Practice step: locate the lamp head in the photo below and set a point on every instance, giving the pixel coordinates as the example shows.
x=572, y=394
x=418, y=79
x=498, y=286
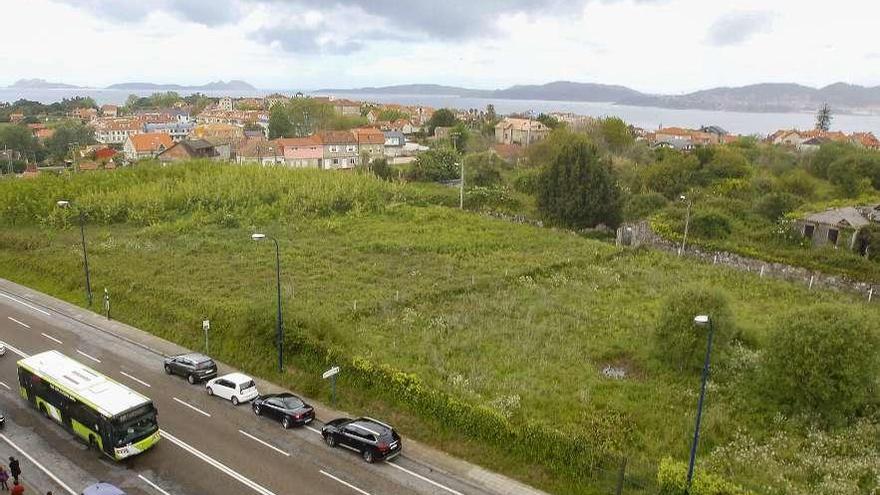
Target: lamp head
x=682, y=198
x=258, y=237
x=702, y=320
x=63, y=203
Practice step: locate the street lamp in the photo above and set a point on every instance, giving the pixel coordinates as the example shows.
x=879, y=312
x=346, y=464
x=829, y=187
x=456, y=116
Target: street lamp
x=687, y=222
x=700, y=321
x=82, y=232
x=461, y=187
x=279, y=323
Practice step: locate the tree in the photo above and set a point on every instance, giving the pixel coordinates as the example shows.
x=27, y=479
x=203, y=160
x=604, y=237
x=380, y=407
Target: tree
x=548, y=120
x=824, y=118
x=58, y=146
x=615, y=133
x=443, y=117
x=822, y=360
x=435, y=165
x=681, y=343
x=577, y=189
x=491, y=116
x=644, y=205
x=868, y=242
x=775, y=205
x=279, y=122
x=483, y=169
x=460, y=136
x=20, y=139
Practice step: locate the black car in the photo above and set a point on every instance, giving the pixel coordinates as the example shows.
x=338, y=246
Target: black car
x=373, y=439
x=194, y=366
x=287, y=408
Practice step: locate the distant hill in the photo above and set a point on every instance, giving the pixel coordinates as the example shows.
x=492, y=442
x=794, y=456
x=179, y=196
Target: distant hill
x=767, y=97
x=776, y=97
x=40, y=84
x=234, y=85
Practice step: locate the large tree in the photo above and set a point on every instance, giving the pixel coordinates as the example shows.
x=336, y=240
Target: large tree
x=67, y=134
x=443, y=117
x=577, y=188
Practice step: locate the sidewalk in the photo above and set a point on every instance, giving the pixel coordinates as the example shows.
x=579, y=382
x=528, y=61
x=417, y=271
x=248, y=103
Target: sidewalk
x=416, y=452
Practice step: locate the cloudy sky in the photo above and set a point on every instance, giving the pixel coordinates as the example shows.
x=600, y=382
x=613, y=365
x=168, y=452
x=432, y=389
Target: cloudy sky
x=668, y=46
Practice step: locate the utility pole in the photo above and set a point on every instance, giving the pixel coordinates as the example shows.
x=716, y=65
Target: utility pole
x=461, y=188
x=687, y=221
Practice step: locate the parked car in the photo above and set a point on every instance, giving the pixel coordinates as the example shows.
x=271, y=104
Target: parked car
x=102, y=489
x=287, y=408
x=236, y=387
x=2, y=349
x=2, y=420
x=193, y=366
x=373, y=439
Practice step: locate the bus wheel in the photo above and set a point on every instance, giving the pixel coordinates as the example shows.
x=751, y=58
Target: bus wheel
x=43, y=410
x=93, y=445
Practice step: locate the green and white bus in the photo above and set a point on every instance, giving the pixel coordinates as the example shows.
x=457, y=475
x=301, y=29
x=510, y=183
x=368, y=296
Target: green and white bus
x=104, y=413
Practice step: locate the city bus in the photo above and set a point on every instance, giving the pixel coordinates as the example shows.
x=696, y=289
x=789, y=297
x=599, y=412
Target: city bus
x=105, y=414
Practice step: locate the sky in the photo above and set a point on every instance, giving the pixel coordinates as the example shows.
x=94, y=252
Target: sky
x=655, y=46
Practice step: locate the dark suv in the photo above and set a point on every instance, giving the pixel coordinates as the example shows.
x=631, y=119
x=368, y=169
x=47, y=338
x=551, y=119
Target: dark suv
x=194, y=366
x=287, y=408
x=373, y=439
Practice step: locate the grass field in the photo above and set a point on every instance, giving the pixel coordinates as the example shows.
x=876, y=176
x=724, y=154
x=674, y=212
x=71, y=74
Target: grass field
x=511, y=318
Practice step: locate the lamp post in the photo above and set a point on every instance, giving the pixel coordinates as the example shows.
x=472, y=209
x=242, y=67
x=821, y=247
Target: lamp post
x=461, y=187
x=687, y=222
x=700, y=321
x=279, y=322
x=82, y=232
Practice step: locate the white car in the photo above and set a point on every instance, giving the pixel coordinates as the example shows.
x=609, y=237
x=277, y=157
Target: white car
x=2, y=348
x=236, y=387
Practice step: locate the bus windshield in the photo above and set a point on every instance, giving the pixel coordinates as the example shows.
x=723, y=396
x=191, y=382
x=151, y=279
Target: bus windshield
x=134, y=425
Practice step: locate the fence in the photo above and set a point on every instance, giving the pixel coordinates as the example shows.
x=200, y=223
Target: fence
x=641, y=234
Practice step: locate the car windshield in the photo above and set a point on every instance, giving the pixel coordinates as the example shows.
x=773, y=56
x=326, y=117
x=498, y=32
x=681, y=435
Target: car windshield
x=292, y=403
x=134, y=425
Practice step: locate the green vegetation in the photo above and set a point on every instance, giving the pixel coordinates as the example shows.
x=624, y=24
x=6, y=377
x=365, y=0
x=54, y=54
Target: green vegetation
x=489, y=339
x=300, y=117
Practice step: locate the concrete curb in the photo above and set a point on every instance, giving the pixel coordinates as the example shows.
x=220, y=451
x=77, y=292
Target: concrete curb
x=425, y=456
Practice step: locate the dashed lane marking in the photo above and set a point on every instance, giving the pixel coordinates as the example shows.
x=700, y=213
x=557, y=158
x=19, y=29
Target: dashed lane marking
x=81, y=353
x=194, y=408
x=276, y=449
x=135, y=379
x=325, y=473
x=19, y=322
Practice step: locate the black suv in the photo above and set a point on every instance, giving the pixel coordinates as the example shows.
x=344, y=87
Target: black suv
x=287, y=408
x=373, y=439
x=194, y=366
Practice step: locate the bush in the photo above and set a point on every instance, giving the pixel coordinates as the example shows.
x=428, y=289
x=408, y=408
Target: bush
x=711, y=225
x=775, y=205
x=435, y=165
x=644, y=205
x=680, y=342
x=491, y=198
x=526, y=181
x=672, y=478
x=821, y=361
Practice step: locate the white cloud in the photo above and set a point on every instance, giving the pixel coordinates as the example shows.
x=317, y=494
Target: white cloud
x=654, y=46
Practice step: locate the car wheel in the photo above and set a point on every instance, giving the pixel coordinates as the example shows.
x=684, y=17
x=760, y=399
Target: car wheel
x=210, y=391
x=234, y=400
x=329, y=440
x=368, y=456
x=285, y=422
x=191, y=379
x=168, y=369
x=257, y=410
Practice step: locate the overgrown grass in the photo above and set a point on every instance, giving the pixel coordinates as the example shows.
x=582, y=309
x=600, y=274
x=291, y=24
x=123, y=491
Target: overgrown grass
x=514, y=322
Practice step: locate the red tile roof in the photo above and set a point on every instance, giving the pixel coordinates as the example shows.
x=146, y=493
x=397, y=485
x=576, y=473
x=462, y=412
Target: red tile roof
x=151, y=141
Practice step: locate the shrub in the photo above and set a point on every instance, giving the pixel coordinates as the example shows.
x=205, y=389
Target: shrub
x=775, y=205
x=644, y=205
x=526, y=181
x=711, y=225
x=821, y=360
x=672, y=478
x=435, y=165
x=680, y=342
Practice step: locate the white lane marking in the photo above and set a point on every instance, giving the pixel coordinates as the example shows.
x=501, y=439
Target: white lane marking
x=217, y=464
x=419, y=476
x=7, y=387
x=158, y=489
x=194, y=408
x=325, y=473
x=25, y=454
x=13, y=349
x=135, y=379
x=81, y=353
x=25, y=304
x=51, y=337
x=313, y=429
x=19, y=322
x=276, y=449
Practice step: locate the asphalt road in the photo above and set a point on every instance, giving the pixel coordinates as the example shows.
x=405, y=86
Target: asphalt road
x=208, y=445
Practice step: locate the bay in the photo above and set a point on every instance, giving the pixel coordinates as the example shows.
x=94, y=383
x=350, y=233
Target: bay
x=649, y=118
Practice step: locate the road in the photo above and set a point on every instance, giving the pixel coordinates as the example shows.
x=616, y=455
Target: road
x=209, y=446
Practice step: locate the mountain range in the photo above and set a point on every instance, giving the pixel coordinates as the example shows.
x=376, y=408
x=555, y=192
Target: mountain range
x=234, y=85
x=767, y=97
